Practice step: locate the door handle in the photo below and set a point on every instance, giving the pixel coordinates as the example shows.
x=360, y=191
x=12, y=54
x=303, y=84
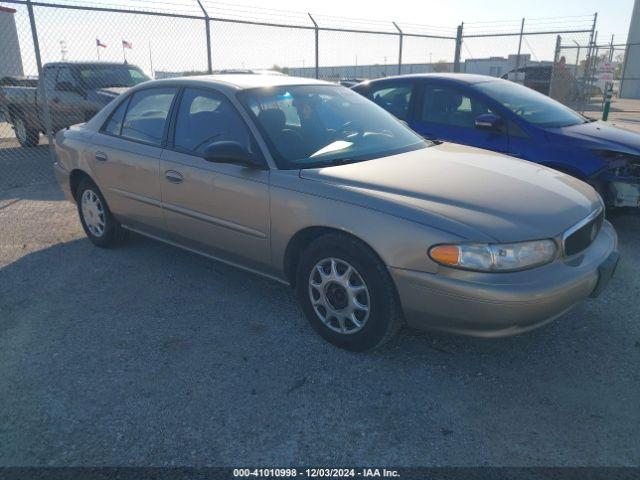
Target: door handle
x=173, y=176
x=101, y=157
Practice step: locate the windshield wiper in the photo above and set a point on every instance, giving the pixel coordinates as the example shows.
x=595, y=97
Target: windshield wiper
x=339, y=161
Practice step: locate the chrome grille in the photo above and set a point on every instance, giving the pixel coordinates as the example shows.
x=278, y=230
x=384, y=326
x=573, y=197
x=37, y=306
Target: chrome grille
x=582, y=234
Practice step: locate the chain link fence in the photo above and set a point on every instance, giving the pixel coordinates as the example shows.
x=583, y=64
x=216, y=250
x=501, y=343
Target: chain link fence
x=63, y=60
x=595, y=70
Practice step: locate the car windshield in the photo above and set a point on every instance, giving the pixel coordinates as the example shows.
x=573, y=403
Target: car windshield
x=102, y=76
x=308, y=126
x=532, y=106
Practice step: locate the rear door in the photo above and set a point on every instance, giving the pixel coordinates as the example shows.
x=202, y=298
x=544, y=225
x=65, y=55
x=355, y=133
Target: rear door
x=446, y=112
x=125, y=156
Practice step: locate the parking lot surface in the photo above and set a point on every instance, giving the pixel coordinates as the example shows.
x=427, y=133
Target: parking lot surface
x=150, y=355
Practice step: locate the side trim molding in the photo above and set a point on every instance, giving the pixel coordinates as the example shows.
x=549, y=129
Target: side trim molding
x=212, y=257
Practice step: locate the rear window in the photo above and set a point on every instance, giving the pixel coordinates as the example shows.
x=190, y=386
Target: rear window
x=143, y=116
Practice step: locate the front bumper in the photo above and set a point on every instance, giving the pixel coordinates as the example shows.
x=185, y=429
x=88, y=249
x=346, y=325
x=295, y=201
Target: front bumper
x=502, y=304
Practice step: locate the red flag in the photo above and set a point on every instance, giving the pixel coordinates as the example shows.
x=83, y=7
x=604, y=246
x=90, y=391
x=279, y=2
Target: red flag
x=100, y=44
x=126, y=44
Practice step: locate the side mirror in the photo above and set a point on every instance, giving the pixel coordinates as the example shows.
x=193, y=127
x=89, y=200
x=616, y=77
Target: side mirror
x=230, y=152
x=488, y=121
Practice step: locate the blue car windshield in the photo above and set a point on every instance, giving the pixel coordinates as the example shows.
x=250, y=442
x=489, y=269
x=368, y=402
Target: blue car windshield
x=531, y=106
x=309, y=126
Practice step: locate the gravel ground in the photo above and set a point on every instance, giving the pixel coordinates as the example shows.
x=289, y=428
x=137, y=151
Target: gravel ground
x=149, y=355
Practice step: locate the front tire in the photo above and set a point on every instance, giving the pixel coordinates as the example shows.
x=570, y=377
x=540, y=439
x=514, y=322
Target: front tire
x=97, y=220
x=27, y=135
x=347, y=293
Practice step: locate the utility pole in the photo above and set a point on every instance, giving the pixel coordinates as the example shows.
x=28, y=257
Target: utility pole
x=153, y=73
x=519, y=47
x=456, y=58
x=63, y=50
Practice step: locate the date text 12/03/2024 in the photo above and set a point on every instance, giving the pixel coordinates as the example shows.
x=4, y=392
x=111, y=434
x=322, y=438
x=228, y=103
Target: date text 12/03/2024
x=316, y=472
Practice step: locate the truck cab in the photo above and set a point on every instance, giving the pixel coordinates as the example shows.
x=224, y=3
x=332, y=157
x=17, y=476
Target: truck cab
x=74, y=92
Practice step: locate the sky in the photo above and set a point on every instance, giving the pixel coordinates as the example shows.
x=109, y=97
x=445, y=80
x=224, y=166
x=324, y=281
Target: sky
x=180, y=45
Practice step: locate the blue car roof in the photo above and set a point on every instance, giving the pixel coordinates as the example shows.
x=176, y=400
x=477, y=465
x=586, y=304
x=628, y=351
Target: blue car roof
x=468, y=78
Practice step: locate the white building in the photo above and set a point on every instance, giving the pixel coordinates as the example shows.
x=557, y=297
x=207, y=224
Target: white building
x=630, y=83
x=10, y=57
x=498, y=66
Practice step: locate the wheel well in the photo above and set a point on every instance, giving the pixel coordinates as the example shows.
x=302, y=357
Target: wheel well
x=75, y=178
x=14, y=112
x=301, y=240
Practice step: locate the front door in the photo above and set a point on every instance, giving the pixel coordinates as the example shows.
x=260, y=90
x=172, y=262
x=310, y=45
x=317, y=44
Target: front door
x=215, y=208
x=448, y=114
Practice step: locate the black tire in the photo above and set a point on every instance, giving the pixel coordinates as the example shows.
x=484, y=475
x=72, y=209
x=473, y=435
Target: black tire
x=384, y=314
x=112, y=232
x=27, y=135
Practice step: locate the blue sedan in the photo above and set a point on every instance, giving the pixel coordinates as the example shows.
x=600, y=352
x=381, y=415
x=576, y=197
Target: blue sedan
x=505, y=117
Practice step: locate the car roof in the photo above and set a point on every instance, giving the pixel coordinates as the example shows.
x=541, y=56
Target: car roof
x=93, y=64
x=454, y=77
x=241, y=81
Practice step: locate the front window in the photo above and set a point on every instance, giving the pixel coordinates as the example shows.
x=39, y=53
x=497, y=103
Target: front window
x=444, y=105
x=308, y=126
x=205, y=117
x=104, y=76
x=532, y=106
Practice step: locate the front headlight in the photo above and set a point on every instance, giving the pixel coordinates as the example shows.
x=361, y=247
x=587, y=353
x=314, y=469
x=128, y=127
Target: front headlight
x=487, y=257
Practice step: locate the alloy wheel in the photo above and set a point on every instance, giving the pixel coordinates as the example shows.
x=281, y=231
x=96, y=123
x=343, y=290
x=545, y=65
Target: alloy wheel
x=93, y=212
x=339, y=296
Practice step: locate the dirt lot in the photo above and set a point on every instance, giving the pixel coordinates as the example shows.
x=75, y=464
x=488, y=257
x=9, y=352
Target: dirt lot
x=149, y=355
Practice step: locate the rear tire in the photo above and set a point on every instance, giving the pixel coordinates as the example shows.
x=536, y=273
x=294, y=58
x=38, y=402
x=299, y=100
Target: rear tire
x=27, y=135
x=347, y=294
x=97, y=220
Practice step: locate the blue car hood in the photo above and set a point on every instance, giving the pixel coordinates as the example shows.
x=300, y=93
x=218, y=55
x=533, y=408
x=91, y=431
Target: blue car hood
x=601, y=135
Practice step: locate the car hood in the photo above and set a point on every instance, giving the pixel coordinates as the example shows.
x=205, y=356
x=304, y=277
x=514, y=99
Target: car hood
x=602, y=135
x=471, y=192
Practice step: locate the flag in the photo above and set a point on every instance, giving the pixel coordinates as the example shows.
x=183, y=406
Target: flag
x=126, y=44
x=100, y=44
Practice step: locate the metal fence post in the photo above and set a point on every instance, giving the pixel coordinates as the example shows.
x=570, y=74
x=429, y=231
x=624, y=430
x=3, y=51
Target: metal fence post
x=456, y=58
x=42, y=92
x=589, y=61
x=317, y=31
x=519, y=46
x=592, y=39
x=556, y=59
x=401, y=36
x=208, y=33
x=611, y=48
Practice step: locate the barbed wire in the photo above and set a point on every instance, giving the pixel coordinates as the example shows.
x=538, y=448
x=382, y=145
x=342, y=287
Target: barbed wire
x=244, y=12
